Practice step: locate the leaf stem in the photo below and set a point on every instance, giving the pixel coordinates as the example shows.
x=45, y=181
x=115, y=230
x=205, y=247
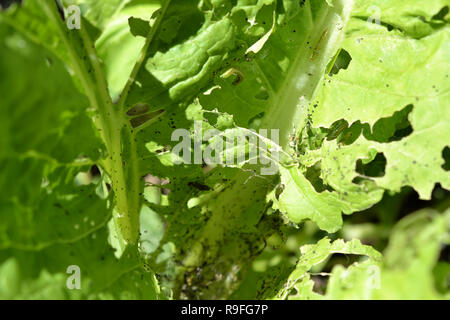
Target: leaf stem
x=151, y=35
x=115, y=130
x=308, y=69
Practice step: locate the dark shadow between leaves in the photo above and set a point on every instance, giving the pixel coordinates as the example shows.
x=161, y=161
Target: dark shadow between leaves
x=375, y=168
x=313, y=175
x=441, y=14
x=341, y=63
x=446, y=157
x=389, y=129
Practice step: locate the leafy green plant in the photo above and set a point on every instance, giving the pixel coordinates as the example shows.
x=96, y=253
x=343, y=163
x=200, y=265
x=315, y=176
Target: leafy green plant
x=356, y=92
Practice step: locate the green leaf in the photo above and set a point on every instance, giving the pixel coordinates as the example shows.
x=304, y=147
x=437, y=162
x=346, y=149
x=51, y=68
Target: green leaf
x=30, y=19
x=413, y=18
x=43, y=23
x=208, y=57
x=356, y=89
x=299, y=284
x=407, y=272
x=384, y=79
x=45, y=274
x=48, y=140
x=299, y=201
x=99, y=13
x=413, y=251
x=181, y=58
x=118, y=48
x=46, y=286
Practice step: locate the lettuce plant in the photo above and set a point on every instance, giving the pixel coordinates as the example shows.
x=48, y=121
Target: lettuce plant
x=350, y=101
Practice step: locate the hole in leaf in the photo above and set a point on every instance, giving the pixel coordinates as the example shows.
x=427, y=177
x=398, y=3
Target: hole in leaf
x=441, y=14
x=392, y=128
x=441, y=271
x=446, y=156
x=256, y=120
x=139, y=121
x=320, y=283
x=374, y=168
x=445, y=254
x=199, y=186
x=439, y=193
x=336, y=129
x=313, y=175
x=359, y=180
x=84, y=178
x=339, y=130
x=138, y=109
x=151, y=180
x=342, y=259
x=388, y=26
x=342, y=62
x=95, y=171
x=349, y=135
